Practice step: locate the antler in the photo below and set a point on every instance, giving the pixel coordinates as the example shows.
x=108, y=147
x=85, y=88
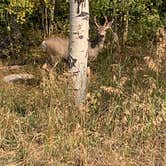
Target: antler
x=106, y=25
x=106, y=21
x=96, y=22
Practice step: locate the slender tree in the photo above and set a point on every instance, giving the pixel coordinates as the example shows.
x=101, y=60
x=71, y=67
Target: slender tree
x=78, y=47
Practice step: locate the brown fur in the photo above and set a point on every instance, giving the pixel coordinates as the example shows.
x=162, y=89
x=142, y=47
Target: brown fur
x=57, y=48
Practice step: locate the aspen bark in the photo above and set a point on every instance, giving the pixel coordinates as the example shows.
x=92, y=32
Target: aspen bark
x=78, y=47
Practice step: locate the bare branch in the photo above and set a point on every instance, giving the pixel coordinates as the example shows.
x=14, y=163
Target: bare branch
x=10, y=67
x=18, y=77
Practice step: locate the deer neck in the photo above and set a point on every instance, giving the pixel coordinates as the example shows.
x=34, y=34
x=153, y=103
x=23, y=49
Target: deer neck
x=95, y=47
x=101, y=42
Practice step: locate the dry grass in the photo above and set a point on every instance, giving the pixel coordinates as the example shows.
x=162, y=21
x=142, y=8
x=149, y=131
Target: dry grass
x=123, y=122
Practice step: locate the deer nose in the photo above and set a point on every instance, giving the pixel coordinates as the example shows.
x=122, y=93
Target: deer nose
x=101, y=36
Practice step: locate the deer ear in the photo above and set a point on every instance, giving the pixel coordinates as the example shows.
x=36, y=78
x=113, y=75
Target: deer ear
x=111, y=22
x=44, y=46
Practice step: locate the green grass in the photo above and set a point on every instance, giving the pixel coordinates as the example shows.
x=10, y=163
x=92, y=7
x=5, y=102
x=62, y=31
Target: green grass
x=123, y=122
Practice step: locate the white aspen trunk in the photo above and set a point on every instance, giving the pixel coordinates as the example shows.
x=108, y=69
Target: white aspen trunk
x=78, y=47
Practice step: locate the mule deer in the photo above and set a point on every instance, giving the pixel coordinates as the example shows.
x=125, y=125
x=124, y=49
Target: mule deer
x=57, y=48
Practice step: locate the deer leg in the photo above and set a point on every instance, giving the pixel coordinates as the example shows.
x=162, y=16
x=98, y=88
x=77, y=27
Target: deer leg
x=48, y=64
x=55, y=64
x=46, y=67
x=88, y=72
x=51, y=71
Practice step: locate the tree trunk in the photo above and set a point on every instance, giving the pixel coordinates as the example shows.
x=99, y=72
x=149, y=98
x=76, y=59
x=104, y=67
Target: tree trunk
x=43, y=20
x=46, y=21
x=78, y=47
x=52, y=11
x=126, y=27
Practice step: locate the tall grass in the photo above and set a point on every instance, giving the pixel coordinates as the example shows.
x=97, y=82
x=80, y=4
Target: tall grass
x=123, y=122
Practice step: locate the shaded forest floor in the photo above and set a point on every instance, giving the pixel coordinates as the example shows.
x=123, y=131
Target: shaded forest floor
x=123, y=123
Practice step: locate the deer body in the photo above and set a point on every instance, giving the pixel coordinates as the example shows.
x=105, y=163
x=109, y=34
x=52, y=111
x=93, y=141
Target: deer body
x=57, y=48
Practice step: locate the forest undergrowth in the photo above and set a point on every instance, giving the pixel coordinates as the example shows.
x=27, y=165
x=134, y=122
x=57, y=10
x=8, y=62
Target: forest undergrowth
x=123, y=122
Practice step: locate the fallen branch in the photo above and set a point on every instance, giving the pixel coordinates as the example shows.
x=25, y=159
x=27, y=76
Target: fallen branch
x=10, y=67
x=18, y=77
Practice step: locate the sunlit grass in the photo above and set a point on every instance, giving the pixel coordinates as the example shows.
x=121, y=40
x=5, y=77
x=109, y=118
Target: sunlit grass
x=123, y=122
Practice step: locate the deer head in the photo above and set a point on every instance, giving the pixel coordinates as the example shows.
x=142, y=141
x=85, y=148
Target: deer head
x=103, y=28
